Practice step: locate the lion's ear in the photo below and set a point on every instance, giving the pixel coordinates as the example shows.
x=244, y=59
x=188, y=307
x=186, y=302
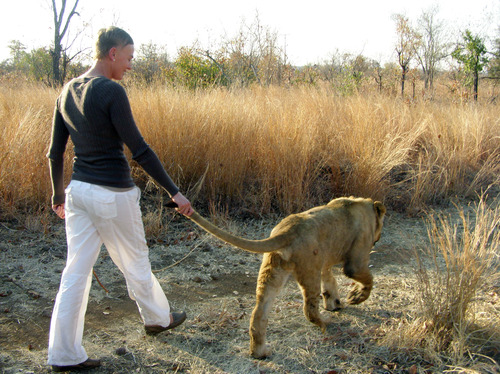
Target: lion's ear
x=379, y=208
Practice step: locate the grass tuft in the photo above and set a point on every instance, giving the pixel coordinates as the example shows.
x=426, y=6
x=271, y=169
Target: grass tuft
x=457, y=280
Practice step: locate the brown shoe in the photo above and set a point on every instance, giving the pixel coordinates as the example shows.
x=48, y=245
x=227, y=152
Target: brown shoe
x=177, y=319
x=85, y=365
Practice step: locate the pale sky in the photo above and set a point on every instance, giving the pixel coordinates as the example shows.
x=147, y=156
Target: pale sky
x=311, y=30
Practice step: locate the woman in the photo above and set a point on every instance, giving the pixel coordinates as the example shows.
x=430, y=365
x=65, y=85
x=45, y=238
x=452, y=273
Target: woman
x=101, y=203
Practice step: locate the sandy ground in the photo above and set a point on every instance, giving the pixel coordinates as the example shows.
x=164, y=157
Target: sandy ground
x=214, y=283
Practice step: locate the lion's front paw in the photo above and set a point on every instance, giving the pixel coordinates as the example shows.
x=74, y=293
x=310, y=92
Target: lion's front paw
x=261, y=351
x=358, y=295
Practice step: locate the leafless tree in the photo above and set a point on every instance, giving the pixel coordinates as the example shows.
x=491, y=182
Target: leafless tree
x=254, y=55
x=433, y=48
x=377, y=72
x=406, y=46
x=494, y=67
x=61, y=25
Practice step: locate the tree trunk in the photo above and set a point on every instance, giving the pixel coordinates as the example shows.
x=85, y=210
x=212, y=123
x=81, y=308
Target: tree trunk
x=476, y=84
x=426, y=77
x=403, y=78
x=56, y=57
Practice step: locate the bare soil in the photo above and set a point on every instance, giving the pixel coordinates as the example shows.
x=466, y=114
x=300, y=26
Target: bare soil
x=214, y=283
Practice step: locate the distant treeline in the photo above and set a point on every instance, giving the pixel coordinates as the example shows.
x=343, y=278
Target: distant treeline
x=255, y=57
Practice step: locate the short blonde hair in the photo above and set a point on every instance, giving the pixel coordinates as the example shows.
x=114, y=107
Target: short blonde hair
x=108, y=38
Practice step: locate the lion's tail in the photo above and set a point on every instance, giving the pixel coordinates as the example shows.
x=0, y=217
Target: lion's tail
x=258, y=246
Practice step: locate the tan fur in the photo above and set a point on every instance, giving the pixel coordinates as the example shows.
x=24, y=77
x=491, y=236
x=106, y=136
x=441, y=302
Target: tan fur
x=307, y=245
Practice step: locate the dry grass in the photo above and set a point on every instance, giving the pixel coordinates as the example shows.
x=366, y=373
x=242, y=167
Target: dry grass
x=288, y=149
x=24, y=134
x=277, y=149
x=458, y=276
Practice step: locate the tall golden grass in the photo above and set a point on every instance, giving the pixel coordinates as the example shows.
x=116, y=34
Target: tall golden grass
x=276, y=149
x=25, y=117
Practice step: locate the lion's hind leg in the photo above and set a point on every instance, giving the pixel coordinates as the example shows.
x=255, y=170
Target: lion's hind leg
x=329, y=290
x=310, y=285
x=269, y=283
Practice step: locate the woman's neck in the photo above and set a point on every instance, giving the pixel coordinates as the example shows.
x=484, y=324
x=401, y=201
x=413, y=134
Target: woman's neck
x=99, y=69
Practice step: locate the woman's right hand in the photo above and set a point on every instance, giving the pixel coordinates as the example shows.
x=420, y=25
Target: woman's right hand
x=183, y=205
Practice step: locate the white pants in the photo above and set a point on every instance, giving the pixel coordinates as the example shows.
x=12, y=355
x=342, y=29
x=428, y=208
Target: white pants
x=96, y=215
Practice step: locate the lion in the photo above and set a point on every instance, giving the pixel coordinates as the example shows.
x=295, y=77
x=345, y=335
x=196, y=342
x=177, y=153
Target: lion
x=307, y=245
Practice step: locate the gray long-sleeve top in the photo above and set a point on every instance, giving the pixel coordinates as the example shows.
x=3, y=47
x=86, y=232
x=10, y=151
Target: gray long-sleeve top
x=96, y=113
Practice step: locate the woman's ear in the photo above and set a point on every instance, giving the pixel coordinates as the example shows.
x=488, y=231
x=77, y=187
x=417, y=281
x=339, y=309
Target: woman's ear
x=112, y=54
